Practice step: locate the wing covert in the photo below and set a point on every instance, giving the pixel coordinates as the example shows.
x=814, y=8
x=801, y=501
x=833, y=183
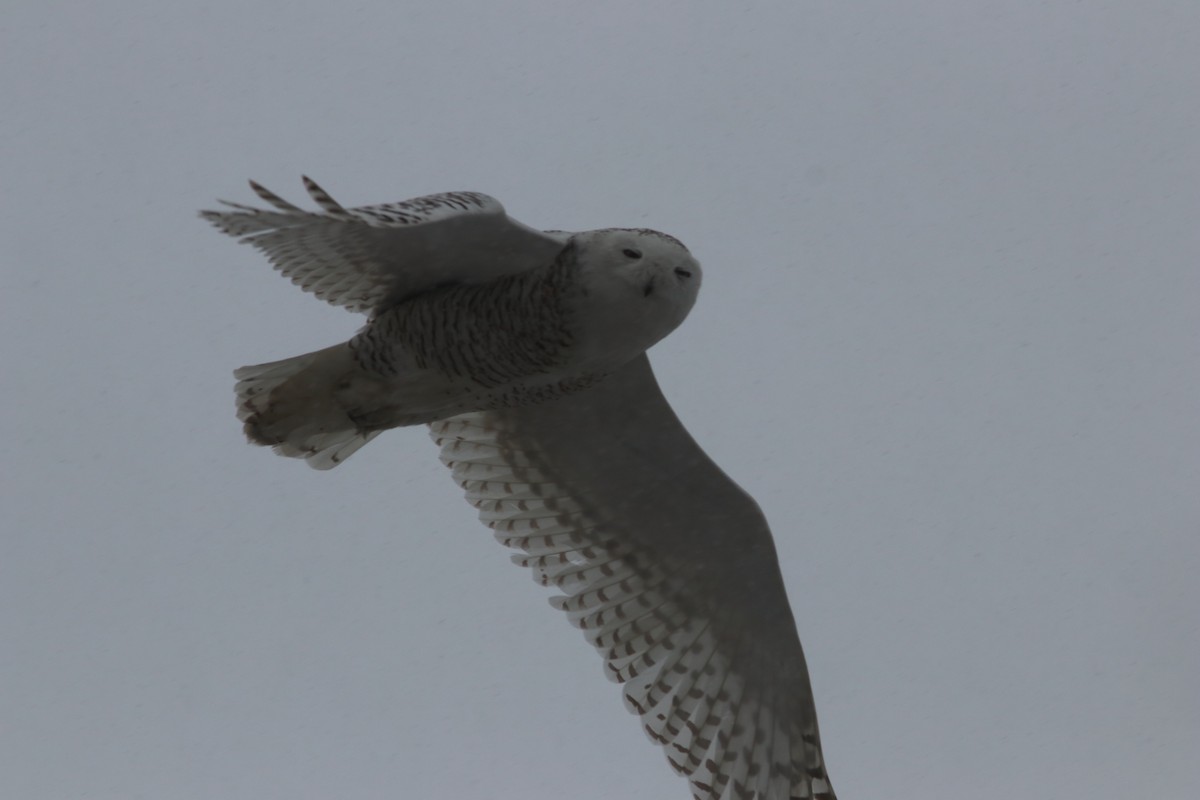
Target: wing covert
x=371, y=257
x=666, y=566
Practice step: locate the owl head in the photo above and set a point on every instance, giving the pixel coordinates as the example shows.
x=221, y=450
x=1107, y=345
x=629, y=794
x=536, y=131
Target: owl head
x=635, y=286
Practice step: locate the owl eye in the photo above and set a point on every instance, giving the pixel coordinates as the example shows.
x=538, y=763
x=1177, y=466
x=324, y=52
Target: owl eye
x=629, y=252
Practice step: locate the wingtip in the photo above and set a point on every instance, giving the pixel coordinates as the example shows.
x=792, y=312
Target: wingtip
x=322, y=198
x=218, y=219
x=257, y=187
x=278, y=202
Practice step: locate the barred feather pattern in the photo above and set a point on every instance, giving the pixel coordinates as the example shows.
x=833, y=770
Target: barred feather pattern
x=705, y=694
x=370, y=257
x=514, y=327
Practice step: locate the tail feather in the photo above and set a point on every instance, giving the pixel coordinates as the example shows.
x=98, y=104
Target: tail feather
x=291, y=406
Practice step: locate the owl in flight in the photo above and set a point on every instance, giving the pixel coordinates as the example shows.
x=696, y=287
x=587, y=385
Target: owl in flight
x=524, y=352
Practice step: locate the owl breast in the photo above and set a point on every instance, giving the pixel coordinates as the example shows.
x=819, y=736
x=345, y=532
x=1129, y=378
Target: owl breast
x=502, y=342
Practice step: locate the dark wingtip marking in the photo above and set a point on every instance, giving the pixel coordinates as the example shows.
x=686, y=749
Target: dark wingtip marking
x=322, y=197
x=267, y=195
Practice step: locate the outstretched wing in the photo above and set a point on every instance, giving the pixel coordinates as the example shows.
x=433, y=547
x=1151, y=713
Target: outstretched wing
x=667, y=567
x=369, y=258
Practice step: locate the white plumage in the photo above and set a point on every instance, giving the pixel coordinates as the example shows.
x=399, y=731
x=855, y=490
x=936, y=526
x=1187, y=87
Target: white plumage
x=525, y=353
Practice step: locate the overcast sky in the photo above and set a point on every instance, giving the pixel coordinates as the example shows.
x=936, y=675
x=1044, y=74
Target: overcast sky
x=948, y=338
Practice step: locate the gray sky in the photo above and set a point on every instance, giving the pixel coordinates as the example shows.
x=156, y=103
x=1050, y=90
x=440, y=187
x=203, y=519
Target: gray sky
x=948, y=338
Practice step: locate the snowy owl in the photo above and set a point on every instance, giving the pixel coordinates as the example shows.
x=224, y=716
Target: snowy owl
x=524, y=352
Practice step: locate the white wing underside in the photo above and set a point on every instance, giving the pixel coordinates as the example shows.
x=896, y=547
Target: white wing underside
x=667, y=567
x=371, y=257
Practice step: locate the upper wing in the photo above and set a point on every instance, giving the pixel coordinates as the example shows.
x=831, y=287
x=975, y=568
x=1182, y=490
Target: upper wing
x=371, y=257
x=667, y=567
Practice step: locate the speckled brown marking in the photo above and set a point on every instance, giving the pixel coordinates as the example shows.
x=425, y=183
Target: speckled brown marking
x=420, y=209
x=489, y=334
